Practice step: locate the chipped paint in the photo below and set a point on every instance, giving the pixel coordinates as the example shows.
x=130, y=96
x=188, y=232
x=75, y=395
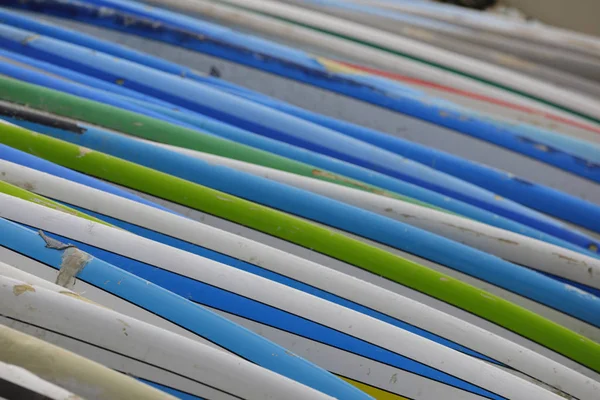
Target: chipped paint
x=513, y=61
x=20, y=289
x=346, y=181
x=570, y=260
x=73, y=261
x=83, y=151
x=29, y=39
x=53, y=243
x=481, y=234
x=579, y=292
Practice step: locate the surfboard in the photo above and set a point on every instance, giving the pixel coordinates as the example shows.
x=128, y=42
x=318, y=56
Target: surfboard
x=519, y=109
x=141, y=350
x=248, y=115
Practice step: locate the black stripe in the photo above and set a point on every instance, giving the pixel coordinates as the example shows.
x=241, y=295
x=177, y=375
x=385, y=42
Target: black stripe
x=12, y=391
x=31, y=115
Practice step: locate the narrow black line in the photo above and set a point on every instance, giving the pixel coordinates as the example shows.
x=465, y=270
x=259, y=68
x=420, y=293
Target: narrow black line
x=33, y=115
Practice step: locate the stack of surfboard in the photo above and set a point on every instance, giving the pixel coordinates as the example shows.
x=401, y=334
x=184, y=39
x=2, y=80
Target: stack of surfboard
x=296, y=199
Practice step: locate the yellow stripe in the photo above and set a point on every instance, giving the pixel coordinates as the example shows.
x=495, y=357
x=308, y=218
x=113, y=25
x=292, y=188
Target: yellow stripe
x=373, y=391
x=336, y=67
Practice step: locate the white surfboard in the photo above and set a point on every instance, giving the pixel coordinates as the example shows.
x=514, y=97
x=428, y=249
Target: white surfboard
x=358, y=291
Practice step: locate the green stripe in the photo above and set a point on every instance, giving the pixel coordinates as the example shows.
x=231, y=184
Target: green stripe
x=138, y=125
x=20, y=193
x=311, y=236
x=415, y=58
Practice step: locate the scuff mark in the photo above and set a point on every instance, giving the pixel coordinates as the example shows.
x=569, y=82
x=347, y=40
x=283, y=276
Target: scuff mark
x=30, y=187
x=340, y=179
x=570, y=260
x=408, y=216
x=394, y=378
x=29, y=39
x=73, y=261
x=83, y=151
x=20, y=289
x=481, y=234
x=81, y=298
x=289, y=353
x=580, y=292
x=487, y=296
